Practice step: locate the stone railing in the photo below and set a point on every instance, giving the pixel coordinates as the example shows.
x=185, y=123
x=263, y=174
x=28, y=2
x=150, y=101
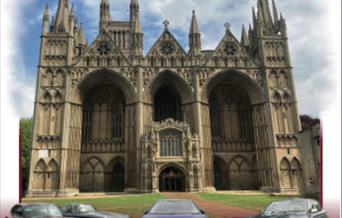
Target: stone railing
x=103, y=146
x=231, y=146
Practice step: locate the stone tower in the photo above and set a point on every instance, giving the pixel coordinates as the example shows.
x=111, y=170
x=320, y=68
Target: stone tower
x=109, y=118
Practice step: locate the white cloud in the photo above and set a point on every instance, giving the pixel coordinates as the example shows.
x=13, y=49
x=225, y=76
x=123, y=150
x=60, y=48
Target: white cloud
x=309, y=35
x=17, y=83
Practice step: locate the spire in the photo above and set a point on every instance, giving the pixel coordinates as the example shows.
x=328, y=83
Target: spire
x=194, y=36
x=265, y=12
x=194, y=26
x=134, y=16
x=254, y=17
x=137, y=25
x=62, y=17
x=52, y=23
x=275, y=12
x=45, y=28
x=81, y=38
x=244, y=38
x=104, y=13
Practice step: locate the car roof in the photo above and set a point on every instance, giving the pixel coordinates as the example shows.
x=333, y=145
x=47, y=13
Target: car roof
x=175, y=200
x=35, y=204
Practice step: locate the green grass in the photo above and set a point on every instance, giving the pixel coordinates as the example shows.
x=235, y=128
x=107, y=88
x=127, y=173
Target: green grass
x=133, y=205
x=244, y=201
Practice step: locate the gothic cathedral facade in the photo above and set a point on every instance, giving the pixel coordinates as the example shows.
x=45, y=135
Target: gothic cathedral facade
x=109, y=118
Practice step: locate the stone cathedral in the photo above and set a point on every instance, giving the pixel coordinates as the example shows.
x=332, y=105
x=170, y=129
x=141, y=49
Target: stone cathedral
x=110, y=118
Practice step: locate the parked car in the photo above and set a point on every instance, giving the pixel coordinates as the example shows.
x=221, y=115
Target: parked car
x=174, y=208
x=292, y=208
x=35, y=210
x=87, y=211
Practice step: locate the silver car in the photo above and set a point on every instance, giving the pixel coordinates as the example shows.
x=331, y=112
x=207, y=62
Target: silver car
x=87, y=211
x=174, y=208
x=293, y=208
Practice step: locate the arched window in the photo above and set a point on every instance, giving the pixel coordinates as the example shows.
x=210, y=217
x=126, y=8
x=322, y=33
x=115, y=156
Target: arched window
x=230, y=114
x=215, y=118
x=117, y=116
x=170, y=143
x=167, y=104
x=87, y=120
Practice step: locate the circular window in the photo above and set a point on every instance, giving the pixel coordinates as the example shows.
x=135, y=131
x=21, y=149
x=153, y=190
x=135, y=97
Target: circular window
x=229, y=49
x=167, y=48
x=103, y=49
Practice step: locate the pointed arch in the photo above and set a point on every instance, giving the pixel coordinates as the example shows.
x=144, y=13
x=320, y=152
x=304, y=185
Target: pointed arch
x=296, y=174
x=52, y=175
x=59, y=79
x=171, y=79
x=106, y=76
x=286, y=97
x=52, y=166
x=221, y=180
x=282, y=80
x=285, y=173
x=253, y=89
x=48, y=77
x=40, y=166
x=47, y=98
x=58, y=97
x=240, y=173
x=92, y=175
x=276, y=97
x=39, y=175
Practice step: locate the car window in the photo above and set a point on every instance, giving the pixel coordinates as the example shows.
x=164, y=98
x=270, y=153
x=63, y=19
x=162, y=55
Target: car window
x=84, y=208
x=41, y=211
x=174, y=207
x=67, y=209
x=286, y=206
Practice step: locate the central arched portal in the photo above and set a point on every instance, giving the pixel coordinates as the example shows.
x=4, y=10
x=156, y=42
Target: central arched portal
x=171, y=179
x=167, y=104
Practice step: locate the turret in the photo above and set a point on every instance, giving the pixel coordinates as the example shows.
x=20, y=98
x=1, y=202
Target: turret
x=136, y=30
x=45, y=28
x=105, y=16
x=194, y=36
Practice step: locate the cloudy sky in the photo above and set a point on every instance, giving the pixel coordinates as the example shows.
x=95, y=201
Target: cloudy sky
x=312, y=28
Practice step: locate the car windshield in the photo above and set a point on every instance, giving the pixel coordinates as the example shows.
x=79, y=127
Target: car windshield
x=40, y=211
x=174, y=207
x=286, y=206
x=84, y=208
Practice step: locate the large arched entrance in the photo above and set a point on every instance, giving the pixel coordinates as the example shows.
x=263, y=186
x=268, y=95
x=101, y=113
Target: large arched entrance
x=106, y=98
x=171, y=179
x=231, y=97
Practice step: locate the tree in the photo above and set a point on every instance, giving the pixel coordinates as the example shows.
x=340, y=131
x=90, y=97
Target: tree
x=26, y=128
x=308, y=121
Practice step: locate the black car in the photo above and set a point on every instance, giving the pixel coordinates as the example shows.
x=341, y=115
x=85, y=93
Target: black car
x=35, y=210
x=174, y=208
x=87, y=211
x=293, y=208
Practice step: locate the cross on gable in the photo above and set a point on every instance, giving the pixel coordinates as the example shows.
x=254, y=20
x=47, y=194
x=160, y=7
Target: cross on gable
x=166, y=23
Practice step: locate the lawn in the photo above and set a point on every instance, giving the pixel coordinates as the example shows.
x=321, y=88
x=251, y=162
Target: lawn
x=133, y=205
x=244, y=201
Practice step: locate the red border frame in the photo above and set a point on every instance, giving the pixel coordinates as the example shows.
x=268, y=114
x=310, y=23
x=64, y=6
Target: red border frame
x=20, y=167
x=321, y=165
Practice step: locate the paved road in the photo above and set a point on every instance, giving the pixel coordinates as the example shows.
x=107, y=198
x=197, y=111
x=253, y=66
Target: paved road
x=214, y=209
